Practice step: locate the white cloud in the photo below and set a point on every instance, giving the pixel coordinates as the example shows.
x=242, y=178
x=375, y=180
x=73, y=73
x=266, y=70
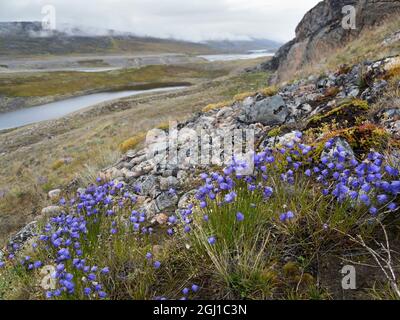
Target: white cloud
x=184, y=19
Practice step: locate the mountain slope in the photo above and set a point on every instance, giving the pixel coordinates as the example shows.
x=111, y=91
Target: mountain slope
x=243, y=46
x=28, y=38
x=320, y=33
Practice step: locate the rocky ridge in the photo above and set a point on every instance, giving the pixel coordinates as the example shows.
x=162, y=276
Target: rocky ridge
x=321, y=31
x=162, y=189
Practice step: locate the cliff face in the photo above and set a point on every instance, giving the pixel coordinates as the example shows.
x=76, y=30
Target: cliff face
x=321, y=31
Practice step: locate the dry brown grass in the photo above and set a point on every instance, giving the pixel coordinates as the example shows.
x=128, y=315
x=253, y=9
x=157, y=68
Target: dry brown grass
x=132, y=142
x=217, y=106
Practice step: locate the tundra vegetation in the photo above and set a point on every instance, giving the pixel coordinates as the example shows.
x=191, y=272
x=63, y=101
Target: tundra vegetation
x=324, y=193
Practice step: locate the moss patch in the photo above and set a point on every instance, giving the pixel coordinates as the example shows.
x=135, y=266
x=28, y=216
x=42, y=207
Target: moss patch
x=347, y=114
x=361, y=138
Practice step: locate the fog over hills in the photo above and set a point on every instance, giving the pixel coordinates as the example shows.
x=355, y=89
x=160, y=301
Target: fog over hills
x=29, y=38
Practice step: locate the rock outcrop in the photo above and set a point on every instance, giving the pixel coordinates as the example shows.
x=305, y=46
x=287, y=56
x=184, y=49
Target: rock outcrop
x=321, y=31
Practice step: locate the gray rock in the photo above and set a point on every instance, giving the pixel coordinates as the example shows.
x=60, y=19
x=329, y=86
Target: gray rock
x=354, y=92
x=391, y=113
x=269, y=111
x=143, y=168
x=18, y=240
x=166, y=200
x=395, y=37
x=375, y=91
x=168, y=183
x=186, y=199
x=182, y=177
x=51, y=211
x=283, y=140
x=224, y=112
x=339, y=143
x=150, y=209
x=148, y=185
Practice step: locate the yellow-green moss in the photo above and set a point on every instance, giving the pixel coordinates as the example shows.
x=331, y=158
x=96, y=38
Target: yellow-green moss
x=361, y=138
x=291, y=270
x=274, y=132
x=345, y=114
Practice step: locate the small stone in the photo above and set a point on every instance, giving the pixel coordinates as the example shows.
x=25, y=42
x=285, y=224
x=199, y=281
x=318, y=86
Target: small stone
x=161, y=218
x=54, y=194
x=51, y=211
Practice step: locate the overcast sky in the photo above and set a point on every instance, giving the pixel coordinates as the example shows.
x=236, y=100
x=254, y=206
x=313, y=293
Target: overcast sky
x=184, y=19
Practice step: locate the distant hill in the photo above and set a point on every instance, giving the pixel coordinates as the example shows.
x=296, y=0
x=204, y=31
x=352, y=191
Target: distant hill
x=244, y=46
x=28, y=38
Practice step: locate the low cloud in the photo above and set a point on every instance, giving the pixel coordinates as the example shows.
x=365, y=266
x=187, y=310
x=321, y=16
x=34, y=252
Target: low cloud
x=194, y=20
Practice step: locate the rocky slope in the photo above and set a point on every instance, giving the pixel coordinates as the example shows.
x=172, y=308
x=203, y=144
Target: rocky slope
x=307, y=104
x=320, y=32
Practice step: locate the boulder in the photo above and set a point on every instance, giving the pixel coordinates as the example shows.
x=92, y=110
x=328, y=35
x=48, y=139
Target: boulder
x=269, y=111
x=321, y=31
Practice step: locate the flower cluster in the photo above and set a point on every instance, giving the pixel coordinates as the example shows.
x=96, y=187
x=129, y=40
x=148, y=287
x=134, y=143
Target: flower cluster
x=370, y=183
x=70, y=238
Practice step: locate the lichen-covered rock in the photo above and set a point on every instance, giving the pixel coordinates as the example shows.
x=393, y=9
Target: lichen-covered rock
x=166, y=200
x=147, y=185
x=346, y=114
x=19, y=239
x=168, y=183
x=186, y=199
x=283, y=140
x=340, y=145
